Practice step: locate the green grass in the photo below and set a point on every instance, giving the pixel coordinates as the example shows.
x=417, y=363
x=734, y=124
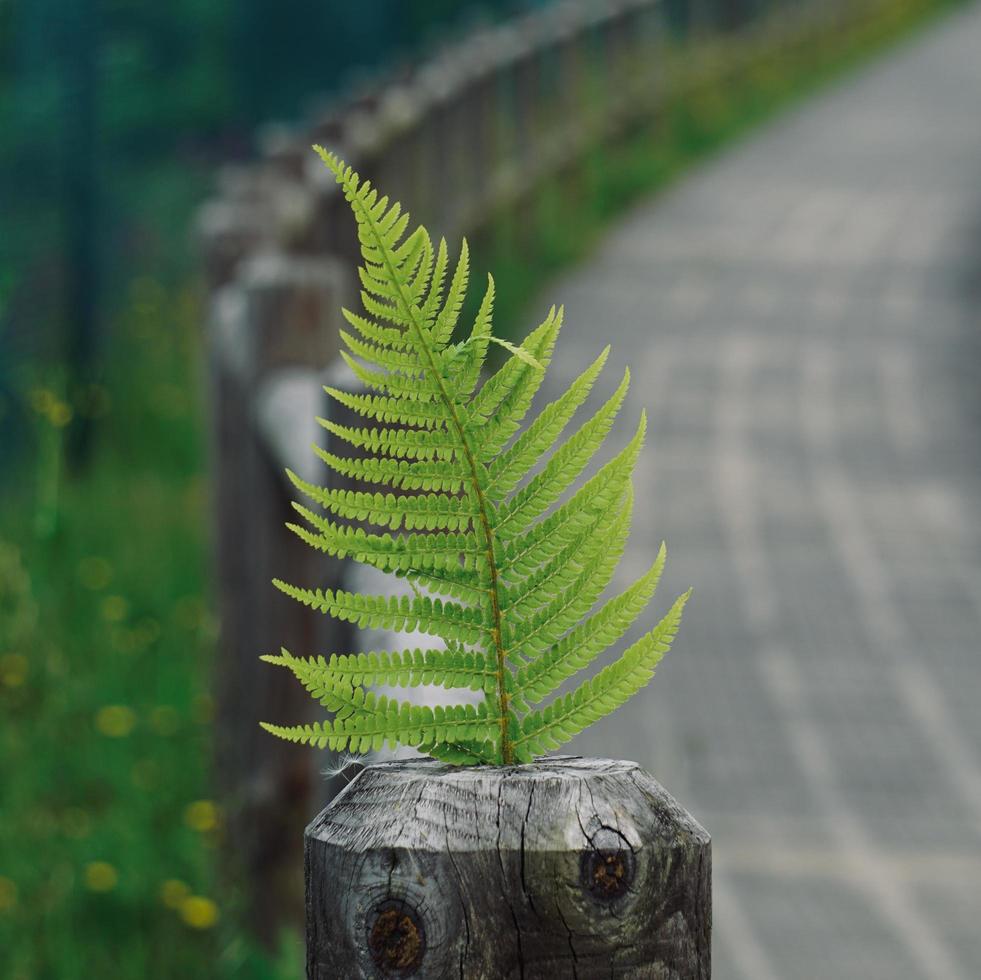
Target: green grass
x=107, y=835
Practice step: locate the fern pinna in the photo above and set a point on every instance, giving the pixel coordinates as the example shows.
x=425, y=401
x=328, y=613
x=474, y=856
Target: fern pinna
x=504, y=577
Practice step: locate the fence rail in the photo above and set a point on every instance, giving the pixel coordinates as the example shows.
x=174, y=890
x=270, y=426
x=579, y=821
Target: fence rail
x=459, y=139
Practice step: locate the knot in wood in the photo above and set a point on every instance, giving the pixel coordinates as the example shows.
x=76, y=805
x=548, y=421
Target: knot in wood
x=608, y=866
x=396, y=938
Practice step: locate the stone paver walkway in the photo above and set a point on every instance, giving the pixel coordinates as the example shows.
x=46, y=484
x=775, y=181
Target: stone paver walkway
x=802, y=318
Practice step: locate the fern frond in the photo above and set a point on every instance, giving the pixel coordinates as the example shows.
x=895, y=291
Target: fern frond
x=506, y=396
x=529, y=637
x=451, y=620
x=395, y=443
x=542, y=541
x=390, y=383
x=383, y=720
x=578, y=648
x=456, y=582
x=449, y=314
x=544, y=731
x=426, y=415
x=398, y=473
x=437, y=277
x=432, y=511
x=384, y=310
x=402, y=552
x=564, y=466
x=550, y=578
x=461, y=753
x=375, y=332
x=454, y=667
x=463, y=504
x=393, y=360
x=463, y=379
x=509, y=468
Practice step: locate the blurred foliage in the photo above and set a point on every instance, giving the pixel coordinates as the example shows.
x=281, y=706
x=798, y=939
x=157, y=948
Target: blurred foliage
x=107, y=832
x=102, y=101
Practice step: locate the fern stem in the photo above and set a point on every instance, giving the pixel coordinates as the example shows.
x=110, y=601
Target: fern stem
x=503, y=698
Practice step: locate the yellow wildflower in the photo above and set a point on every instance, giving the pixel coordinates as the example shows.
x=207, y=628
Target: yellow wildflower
x=8, y=895
x=115, y=720
x=199, y=912
x=13, y=669
x=60, y=414
x=114, y=608
x=100, y=876
x=202, y=816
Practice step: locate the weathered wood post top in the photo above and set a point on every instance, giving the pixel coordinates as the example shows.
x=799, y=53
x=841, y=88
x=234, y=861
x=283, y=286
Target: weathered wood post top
x=567, y=867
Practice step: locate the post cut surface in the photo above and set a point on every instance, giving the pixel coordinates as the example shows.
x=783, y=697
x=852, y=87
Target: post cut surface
x=567, y=867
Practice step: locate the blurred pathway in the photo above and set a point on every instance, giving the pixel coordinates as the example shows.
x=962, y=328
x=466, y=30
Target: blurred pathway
x=802, y=319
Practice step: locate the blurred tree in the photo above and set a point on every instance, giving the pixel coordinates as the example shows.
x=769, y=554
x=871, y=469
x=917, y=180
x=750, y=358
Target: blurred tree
x=99, y=98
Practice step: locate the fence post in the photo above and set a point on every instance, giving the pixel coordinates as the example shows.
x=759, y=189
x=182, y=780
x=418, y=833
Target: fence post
x=401, y=169
x=279, y=316
x=566, y=867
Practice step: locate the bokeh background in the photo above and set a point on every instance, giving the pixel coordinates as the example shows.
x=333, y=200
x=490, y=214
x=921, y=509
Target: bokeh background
x=770, y=208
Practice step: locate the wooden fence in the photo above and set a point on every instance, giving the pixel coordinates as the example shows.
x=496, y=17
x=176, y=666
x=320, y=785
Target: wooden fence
x=459, y=139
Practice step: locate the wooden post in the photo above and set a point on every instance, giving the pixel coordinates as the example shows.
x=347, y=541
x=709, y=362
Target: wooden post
x=281, y=315
x=440, y=83
x=478, y=120
x=568, y=867
x=401, y=167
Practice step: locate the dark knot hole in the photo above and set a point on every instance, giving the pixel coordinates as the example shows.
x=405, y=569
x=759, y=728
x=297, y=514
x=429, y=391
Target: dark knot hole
x=608, y=866
x=396, y=938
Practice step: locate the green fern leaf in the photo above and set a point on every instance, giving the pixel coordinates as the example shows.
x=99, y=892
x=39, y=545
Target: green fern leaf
x=469, y=510
x=518, y=352
x=426, y=415
x=454, y=667
x=529, y=550
x=508, y=468
x=449, y=314
x=564, y=466
x=425, y=475
x=510, y=391
x=579, y=647
x=546, y=730
x=574, y=560
x=433, y=511
x=525, y=638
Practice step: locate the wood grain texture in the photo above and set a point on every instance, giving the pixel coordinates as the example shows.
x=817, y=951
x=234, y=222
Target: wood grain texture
x=568, y=867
